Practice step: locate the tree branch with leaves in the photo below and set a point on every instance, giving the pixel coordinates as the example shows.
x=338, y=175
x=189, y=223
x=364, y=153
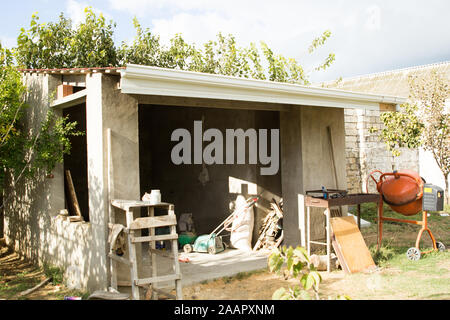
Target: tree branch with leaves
x=423, y=122
x=23, y=154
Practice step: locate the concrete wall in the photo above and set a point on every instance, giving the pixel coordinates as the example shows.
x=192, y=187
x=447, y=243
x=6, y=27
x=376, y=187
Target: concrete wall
x=292, y=175
x=306, y=165
x=317, y=157
x=31, y=223
x=120, y=115
x=32, y=205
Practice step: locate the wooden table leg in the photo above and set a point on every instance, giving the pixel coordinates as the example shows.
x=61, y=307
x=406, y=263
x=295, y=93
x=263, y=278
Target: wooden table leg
x=380, y=222
x=308, y=229
x=358, y=210
x=133, y=259
x=328, y=240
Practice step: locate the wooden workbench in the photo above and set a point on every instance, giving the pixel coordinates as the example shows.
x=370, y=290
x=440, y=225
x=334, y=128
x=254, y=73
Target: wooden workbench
x=348, y=200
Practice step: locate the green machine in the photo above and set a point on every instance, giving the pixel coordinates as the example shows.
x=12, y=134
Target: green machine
x=210, y=243
x=185, y=238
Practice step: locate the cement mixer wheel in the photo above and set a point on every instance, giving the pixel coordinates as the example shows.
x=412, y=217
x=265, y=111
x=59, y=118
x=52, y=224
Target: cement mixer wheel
x=413, y=254
x=440, y=246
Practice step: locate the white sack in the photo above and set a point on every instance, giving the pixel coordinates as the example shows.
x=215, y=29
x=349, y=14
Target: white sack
x=242, y=226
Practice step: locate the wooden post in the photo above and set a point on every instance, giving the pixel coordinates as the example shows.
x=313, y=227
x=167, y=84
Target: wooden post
x=173, y=230
x=112, y=218
x=152, y=255
x=133, y=259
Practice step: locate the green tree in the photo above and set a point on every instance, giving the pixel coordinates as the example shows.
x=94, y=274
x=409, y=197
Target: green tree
x=59, y=45
x=45, y=45
x=425, y=121
x=24, y=154
x=219, y=56
x=90, y=44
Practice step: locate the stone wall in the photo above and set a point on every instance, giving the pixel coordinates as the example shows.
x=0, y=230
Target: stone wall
x=365, y=151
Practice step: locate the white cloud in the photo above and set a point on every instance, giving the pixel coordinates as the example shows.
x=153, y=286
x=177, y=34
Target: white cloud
x=75, y=10
x=368, y=35
x=141, y=8
x=8, y=42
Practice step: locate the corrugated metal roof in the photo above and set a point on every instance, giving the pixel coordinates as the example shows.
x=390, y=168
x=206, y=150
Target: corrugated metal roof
x=393, y=82
x=74, y=70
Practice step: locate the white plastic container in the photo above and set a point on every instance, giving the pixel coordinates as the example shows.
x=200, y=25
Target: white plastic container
x=155, y=197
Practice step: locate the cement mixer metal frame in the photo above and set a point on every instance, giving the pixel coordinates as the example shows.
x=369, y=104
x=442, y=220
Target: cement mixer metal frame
x=411, y=253
x=423, y=223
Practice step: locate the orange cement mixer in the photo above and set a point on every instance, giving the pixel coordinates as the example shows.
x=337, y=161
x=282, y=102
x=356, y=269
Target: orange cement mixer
x=403, y=191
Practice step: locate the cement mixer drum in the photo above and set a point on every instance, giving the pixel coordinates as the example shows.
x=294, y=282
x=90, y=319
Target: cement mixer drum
x=402, y=191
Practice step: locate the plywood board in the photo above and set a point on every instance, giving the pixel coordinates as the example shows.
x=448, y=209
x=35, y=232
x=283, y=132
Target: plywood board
x=349, y=245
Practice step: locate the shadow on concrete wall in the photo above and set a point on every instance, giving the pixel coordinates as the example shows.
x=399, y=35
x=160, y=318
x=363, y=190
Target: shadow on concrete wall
x=32, y=225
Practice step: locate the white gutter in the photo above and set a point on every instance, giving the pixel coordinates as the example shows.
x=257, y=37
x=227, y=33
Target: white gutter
x=146, y=80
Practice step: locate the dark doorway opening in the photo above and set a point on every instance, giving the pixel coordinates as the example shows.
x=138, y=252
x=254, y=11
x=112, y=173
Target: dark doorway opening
x=76, y=162
x=182, y=185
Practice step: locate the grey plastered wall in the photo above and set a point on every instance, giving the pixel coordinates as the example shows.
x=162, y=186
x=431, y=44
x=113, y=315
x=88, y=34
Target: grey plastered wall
x=31, y=223
x=317, y=157
x=291, y=173
x=306, y=165
x=120, y=115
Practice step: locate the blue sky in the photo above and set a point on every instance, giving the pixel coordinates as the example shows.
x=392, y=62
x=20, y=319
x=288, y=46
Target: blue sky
x=368, y=36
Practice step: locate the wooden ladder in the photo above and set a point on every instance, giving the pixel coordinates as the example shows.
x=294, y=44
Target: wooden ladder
x=133, y=228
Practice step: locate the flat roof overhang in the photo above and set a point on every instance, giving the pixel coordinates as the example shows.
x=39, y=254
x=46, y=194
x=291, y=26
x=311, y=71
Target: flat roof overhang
x=154, y=81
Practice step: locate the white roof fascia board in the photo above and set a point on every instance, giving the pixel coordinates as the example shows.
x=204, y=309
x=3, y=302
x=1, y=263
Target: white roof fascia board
x=145, y=80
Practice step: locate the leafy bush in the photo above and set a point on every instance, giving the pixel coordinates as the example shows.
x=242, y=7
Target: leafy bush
x=297, y=265
x=56, y=274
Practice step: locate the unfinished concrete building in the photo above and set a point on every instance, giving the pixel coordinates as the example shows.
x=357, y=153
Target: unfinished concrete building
x=141, y=106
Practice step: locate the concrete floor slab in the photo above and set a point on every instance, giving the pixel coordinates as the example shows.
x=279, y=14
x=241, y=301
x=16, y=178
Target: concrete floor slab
x=204, y=266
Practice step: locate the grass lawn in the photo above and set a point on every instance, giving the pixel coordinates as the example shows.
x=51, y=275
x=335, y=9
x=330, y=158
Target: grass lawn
x=396, y=278
x=398, y=234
